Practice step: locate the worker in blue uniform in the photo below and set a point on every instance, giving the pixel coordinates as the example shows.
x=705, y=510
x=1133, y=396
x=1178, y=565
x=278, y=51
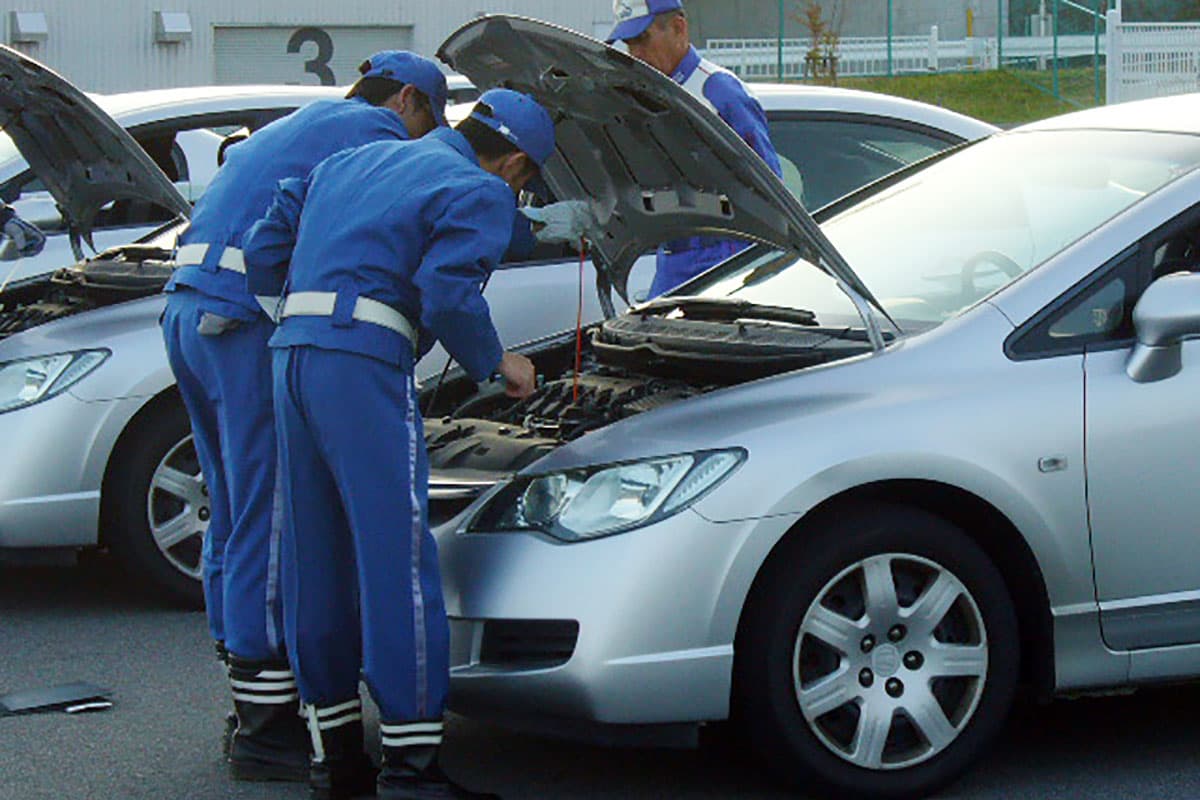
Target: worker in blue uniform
x=28, y=240
x=656, y=31
x=385, y=249
x=216, y=333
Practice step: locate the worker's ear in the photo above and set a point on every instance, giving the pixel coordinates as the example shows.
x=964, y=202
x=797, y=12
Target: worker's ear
x=402, y=101
x=679, y=27
x=516, y=169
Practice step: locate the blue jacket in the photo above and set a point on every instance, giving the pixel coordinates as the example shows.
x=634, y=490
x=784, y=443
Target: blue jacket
x=416, y=225
x=724, y=93
x=241, y=192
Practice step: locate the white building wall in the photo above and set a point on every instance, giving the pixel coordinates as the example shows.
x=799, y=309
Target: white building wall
x=108, y=45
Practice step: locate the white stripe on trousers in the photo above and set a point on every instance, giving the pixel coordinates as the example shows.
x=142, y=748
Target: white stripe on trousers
x=418, y=596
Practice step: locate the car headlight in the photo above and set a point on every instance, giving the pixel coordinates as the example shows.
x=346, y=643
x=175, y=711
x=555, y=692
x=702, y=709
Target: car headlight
x=31, y=380
x=575, y=505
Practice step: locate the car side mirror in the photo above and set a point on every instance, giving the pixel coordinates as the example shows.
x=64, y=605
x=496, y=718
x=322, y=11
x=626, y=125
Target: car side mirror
x=1167, y=314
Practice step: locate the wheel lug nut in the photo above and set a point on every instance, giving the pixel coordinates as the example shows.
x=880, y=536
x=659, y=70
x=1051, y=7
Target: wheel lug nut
x=894, y=687
x=914, y=660
x=866, y=678
x=897, y=633
x=203, y=514
x=868, y=644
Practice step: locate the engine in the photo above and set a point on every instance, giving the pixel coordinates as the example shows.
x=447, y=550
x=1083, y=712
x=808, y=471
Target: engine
x=124, y=273
x=492, y=433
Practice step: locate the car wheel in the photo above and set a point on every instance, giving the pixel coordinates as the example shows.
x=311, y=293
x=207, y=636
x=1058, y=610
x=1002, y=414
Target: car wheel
x=878, y=656
x=158, y=507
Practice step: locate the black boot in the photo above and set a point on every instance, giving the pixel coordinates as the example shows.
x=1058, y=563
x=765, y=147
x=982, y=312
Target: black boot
x=410, y=768
x=270, y=742
x=230, y=717
x=340, y=768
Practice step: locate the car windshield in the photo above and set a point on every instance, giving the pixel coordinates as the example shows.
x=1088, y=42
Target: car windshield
x=948, y=236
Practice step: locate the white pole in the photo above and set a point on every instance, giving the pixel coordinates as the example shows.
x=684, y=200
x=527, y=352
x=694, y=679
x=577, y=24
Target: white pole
x=1113, y=58
x=933, y=49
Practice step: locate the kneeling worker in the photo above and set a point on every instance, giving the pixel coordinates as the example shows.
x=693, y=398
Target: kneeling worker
x=386, y=248
x=216, y=333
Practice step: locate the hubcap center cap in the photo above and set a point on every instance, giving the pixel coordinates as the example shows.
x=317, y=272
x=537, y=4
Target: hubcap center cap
x=885, y=660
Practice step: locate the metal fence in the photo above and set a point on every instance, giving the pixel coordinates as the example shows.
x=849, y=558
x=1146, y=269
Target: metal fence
x=758, y=59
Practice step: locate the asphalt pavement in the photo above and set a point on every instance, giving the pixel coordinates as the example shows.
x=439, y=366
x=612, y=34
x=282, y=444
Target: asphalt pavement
x=160, y=740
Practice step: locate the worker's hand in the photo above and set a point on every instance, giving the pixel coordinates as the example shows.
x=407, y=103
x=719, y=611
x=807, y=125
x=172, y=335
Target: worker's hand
x=28, y=240
x=567, y=221
x=519, y=375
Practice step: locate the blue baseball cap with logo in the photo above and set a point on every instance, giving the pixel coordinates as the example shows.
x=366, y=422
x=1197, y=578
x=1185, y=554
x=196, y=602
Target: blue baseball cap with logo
x=635, y=16
x=520, y=119
x=405, y=67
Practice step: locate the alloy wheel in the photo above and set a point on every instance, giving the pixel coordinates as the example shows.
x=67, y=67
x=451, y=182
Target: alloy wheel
x=890, y=661
x=178, y=508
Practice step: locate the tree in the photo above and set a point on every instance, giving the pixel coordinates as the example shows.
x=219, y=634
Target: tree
x=824, y=33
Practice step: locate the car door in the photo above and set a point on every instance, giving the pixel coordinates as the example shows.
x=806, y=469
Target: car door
x=1143, y=468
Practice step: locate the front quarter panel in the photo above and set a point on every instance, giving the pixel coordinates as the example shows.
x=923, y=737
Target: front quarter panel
x=945, y=407
x=138, y=364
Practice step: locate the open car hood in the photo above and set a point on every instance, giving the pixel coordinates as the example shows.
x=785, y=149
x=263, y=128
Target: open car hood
x=655, y=163
x=84, y=158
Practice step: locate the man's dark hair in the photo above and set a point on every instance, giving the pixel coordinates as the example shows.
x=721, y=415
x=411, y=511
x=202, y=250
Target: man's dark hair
x=377, y=90
x=485, y=141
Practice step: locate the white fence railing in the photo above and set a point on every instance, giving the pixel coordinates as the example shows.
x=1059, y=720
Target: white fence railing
x=758, y=59
x=1151, y=59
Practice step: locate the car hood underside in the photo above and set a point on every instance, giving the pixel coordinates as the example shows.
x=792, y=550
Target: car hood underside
x=654, y=162
x=84, y=158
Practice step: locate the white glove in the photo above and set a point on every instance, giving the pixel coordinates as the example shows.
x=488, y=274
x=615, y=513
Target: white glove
x=567, y=221
x=28, y=240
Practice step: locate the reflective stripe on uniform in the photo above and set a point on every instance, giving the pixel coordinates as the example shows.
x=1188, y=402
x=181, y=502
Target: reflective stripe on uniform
x=413, y=734
x=321, y=304
x=194, y=255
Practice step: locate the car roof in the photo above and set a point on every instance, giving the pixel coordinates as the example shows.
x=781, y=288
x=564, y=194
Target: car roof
x=1175, y=114
x=133, y=108
x=130, y=108
x=800, y=97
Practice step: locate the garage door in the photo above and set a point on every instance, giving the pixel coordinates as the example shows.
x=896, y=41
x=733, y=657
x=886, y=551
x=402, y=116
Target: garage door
x=326, y=55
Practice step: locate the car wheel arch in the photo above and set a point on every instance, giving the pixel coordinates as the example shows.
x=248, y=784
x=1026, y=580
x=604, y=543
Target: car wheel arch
x=151, y=408
x=986, y=525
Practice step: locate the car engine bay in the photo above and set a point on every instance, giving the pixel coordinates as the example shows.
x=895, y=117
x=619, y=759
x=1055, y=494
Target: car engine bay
x=629, y=365
x=114, y=276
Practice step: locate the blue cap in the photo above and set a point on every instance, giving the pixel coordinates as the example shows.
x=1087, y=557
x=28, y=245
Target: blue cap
x=634, y=16
x=405, y=67
x=521, y=120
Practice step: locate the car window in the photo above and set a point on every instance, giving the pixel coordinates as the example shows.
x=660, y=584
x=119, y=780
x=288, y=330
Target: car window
x=825, y=156
x=1099, y=311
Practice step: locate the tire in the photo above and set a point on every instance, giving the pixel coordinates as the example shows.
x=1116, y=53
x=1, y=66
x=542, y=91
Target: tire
x=156, y=507
x=810, y=687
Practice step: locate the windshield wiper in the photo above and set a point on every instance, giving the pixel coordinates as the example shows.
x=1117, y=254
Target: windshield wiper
x=729, y=309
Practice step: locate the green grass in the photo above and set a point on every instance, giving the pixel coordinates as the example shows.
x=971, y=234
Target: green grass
x=1002, y=97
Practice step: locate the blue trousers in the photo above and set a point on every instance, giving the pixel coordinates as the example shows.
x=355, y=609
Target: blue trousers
x=225, y=381
x=362, y=584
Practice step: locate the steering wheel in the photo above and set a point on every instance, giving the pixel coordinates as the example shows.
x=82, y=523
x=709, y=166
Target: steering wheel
x=992, y=258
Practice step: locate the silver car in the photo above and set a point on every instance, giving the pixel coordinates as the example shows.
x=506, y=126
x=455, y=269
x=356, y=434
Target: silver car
x=852, y=487
x=98, y=447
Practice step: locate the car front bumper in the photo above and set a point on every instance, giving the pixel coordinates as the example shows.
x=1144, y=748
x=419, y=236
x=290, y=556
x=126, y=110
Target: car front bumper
x=633, y=629
x=49, y=477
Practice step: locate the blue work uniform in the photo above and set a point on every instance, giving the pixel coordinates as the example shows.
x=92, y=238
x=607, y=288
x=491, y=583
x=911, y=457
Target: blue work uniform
x=216, y=335
x=724, y=93
x=414, y=229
